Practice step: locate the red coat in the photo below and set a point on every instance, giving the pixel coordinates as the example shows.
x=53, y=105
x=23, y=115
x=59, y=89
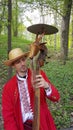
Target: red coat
x=11, y=109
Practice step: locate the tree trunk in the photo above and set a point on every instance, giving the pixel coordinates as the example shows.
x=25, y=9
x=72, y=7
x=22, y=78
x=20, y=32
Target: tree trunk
x=55, y=36
x=65, y=29
x=72, y=30
x=9, y=33
x=16, y=20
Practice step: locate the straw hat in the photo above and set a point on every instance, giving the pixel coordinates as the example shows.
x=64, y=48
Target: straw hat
x=14, y=55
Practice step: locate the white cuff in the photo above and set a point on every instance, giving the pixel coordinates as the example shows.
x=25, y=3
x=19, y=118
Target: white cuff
x=48, y=91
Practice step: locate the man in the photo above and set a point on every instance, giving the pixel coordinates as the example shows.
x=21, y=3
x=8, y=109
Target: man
x=18, y=95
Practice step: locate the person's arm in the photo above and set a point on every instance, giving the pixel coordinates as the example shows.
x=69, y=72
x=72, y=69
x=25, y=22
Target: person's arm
x=53, y=94
x=8, y=110
x=51, y=91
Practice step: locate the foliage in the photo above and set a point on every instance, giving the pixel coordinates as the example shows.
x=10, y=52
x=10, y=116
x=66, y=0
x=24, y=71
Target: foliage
x=47, y=4
x=60, y=75
x=16, y=42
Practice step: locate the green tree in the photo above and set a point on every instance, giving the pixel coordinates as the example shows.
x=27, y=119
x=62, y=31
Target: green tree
x=9, y=32
x=15, y=18
x=65, y=28
x=3, y=15
x=72, y=28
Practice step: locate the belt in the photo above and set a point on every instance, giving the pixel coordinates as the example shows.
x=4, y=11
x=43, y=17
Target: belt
x=28, y=125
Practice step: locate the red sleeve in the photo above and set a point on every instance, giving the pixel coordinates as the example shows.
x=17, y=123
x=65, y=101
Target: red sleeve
x=54, y=96
x=8, y=110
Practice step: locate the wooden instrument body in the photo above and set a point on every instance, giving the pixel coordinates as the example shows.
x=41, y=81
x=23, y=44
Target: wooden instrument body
x=38, y=52
x=40, y=30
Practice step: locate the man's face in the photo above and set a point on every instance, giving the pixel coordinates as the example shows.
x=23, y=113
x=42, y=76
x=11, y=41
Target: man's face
x=20, y=66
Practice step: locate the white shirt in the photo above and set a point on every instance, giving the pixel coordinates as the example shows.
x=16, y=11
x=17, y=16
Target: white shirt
x=29, y=115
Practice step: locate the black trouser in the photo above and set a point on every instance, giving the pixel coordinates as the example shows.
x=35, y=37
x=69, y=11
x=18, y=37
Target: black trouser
x=28, y=125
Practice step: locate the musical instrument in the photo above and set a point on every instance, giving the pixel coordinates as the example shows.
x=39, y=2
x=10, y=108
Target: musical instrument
x=38, y=53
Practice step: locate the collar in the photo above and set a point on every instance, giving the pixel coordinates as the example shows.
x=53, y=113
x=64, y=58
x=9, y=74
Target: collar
x=22, y=78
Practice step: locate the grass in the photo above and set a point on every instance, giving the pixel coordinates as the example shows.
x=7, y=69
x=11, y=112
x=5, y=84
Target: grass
x=60, y=75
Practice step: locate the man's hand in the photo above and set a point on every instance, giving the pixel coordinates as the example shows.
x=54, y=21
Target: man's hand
x=40, y=82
